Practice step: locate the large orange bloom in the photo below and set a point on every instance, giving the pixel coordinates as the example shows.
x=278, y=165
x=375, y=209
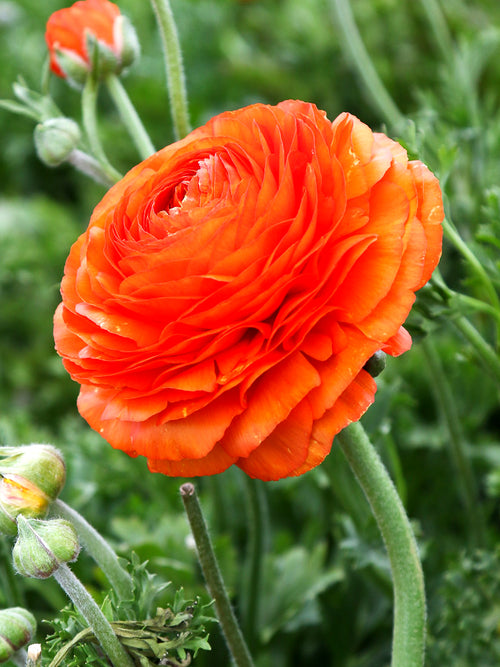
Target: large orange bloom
x=229, y=289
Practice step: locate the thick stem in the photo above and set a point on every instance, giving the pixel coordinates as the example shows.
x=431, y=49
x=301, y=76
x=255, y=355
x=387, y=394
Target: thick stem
x=215, y=584
x=89, y=116
x=174, y=67
x=130, y=117
x=457, y=447
x=409, y=594
x=356, y=51
x=87, y=606
x=98, y=548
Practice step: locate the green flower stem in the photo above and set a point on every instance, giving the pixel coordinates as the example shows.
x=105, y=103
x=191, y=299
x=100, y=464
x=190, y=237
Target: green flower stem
x=215, y=584
x=257, y=535
x=409, y=594
x=90, y=167
x=98, y=548
x=130, y=117
x=439, y=28
x=87, y=606
x=487, y=355
x=89, y=116
x=454, y=237
x=474, y=304
x=174, y=67
x=457, y=447
x=356, y=51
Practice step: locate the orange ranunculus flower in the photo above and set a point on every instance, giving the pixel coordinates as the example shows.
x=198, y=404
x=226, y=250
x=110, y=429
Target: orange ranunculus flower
x=74, y=31
x=228, y=291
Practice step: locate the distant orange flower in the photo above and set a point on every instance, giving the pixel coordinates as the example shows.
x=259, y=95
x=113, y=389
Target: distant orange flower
x=228, y=291
x=69, y=31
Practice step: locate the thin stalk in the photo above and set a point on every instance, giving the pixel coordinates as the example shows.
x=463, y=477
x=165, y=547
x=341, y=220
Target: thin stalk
x=439, y=28
x=174, y=68
x=457, y=446
x=255, y=553
x=487, y=355
x=409, y=594
x=454, y=237
x=98, y=548
x=356, y=51
x=395, y=466
x=89, y=117
x=475, y=304
x=87, y=606
x=215, y=584
x=130, y=117
x=90, y=167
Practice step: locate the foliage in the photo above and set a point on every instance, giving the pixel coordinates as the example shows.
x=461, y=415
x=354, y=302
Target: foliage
x=171, y=635
x=326, y=597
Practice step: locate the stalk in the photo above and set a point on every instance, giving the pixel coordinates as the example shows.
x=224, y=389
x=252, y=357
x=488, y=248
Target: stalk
x=173, y=66
x=215, y=584
x=409, y=631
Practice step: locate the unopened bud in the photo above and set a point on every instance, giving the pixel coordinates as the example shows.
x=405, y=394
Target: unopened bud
x=43, y=546
x=376, y=363
x=31, y=477
x=73, y=67
x=126, y=41
x=17, y=627
x=55, y=139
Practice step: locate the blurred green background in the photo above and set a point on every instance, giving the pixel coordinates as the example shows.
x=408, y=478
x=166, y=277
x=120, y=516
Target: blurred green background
x=327, y=593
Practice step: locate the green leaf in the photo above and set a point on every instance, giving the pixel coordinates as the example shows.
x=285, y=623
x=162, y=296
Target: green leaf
x=290, y=581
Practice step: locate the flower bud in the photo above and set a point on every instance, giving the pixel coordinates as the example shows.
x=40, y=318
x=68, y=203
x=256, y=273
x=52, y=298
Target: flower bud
x=90, y=36
x=17, y=627
x=42, y=546
x=126, y=40
x=55, y=139
x=31, y=477
x=376, y=363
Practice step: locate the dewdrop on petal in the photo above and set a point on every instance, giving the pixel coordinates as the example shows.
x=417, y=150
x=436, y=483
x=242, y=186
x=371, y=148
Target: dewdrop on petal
x=43, y=546
x=17, y=627
x=31, y=477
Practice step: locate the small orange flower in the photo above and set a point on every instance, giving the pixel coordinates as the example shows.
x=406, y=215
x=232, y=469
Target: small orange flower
x=228, y=291
x=73, y=32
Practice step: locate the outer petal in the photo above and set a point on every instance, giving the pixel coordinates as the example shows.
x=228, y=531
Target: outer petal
x=192, y=437
x=216, y=461
x=350, y=406
x=284, y=449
